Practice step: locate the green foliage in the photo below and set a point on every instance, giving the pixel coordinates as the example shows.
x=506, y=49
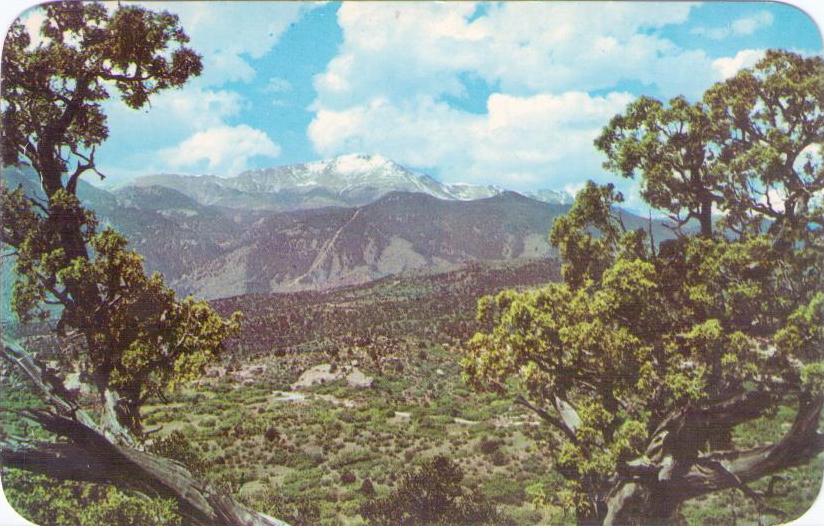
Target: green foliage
x=637, y=333
x=177, y=447
x=672, y=147
x=769, y=121
x=258, y=469
x=136, y=50
x=139, y=339
x=48, y=502
x=300, y=511
x=588, y=234
x=432, y=495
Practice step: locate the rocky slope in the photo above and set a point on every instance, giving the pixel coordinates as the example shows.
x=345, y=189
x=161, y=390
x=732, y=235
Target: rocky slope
x=213, y=250
x=401, y=232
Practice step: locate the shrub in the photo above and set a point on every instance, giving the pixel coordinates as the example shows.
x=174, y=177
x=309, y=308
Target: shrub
x=178, y=447
x=489, y=445
x=271, y=434
x=49, y=502
x=499, y=458
x=367, y=488
x=432, y=495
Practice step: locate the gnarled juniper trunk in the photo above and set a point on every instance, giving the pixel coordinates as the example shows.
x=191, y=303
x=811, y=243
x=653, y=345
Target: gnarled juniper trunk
x=632, y=503
x=89, y=454
x=676, y=467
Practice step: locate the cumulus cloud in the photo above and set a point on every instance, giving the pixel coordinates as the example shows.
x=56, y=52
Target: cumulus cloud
x=223, y=150
x=520, y=141
x=171, y=117
x=523, y=47
x=228, y=34
x=384, y=94
x=184, y=110
x=729, y=66
x=388, y=89
x=742, y=26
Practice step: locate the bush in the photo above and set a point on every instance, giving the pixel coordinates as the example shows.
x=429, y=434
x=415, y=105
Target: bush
x=432, y=495
x=506, y=491
x=499, y=458
x=367, y=488
x=489, y=445
x=178, y=447
x=271, y=434
x=293, y=510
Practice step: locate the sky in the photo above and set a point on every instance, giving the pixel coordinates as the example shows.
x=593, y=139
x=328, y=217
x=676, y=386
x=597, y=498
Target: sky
x=511, y=94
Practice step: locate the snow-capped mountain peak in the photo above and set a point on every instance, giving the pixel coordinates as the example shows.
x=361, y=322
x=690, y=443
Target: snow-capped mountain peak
x=349, y=179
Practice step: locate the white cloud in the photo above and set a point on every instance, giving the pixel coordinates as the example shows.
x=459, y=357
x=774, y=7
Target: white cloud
x=742, y=26
x=729, y=66
x=227, y=34
x=172, y=116
x=384, y=91
x=194, y=107
x=751, y=24
x=33, y=19
x=524, y=47
x=520, y=142
x=223, y=150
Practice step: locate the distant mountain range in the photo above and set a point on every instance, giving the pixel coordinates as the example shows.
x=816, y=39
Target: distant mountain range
x=217, y=237
x=345, y=181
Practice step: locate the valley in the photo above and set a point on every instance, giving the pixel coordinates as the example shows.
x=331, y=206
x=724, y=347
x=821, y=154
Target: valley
x=387, y=396
x=315, y=453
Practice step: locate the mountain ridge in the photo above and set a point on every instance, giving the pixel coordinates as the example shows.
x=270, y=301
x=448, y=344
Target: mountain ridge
x=347, y=180
x=216, y=251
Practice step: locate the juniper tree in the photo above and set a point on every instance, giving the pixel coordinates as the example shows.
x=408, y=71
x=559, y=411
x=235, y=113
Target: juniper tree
x=647, y=358
x=132, y=336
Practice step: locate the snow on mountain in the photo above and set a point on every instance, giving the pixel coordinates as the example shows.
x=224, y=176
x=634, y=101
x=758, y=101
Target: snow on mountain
x=347, y=174
x=468, y=191
x=347, y=180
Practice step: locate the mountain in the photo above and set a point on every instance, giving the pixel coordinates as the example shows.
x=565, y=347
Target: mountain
x=171, y=231
x=345, y=181
x=400, y=233
x=216, y=251
x=468, y=191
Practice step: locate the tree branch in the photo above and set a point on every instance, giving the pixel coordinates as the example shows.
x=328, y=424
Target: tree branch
x=799, y=444
x=92, y=457
x=560, y=424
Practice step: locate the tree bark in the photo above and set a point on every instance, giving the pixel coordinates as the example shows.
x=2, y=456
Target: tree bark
x=651, y=490
x=88, y=454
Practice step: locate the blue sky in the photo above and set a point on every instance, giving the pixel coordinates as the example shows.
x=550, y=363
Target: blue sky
x=510, y=94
